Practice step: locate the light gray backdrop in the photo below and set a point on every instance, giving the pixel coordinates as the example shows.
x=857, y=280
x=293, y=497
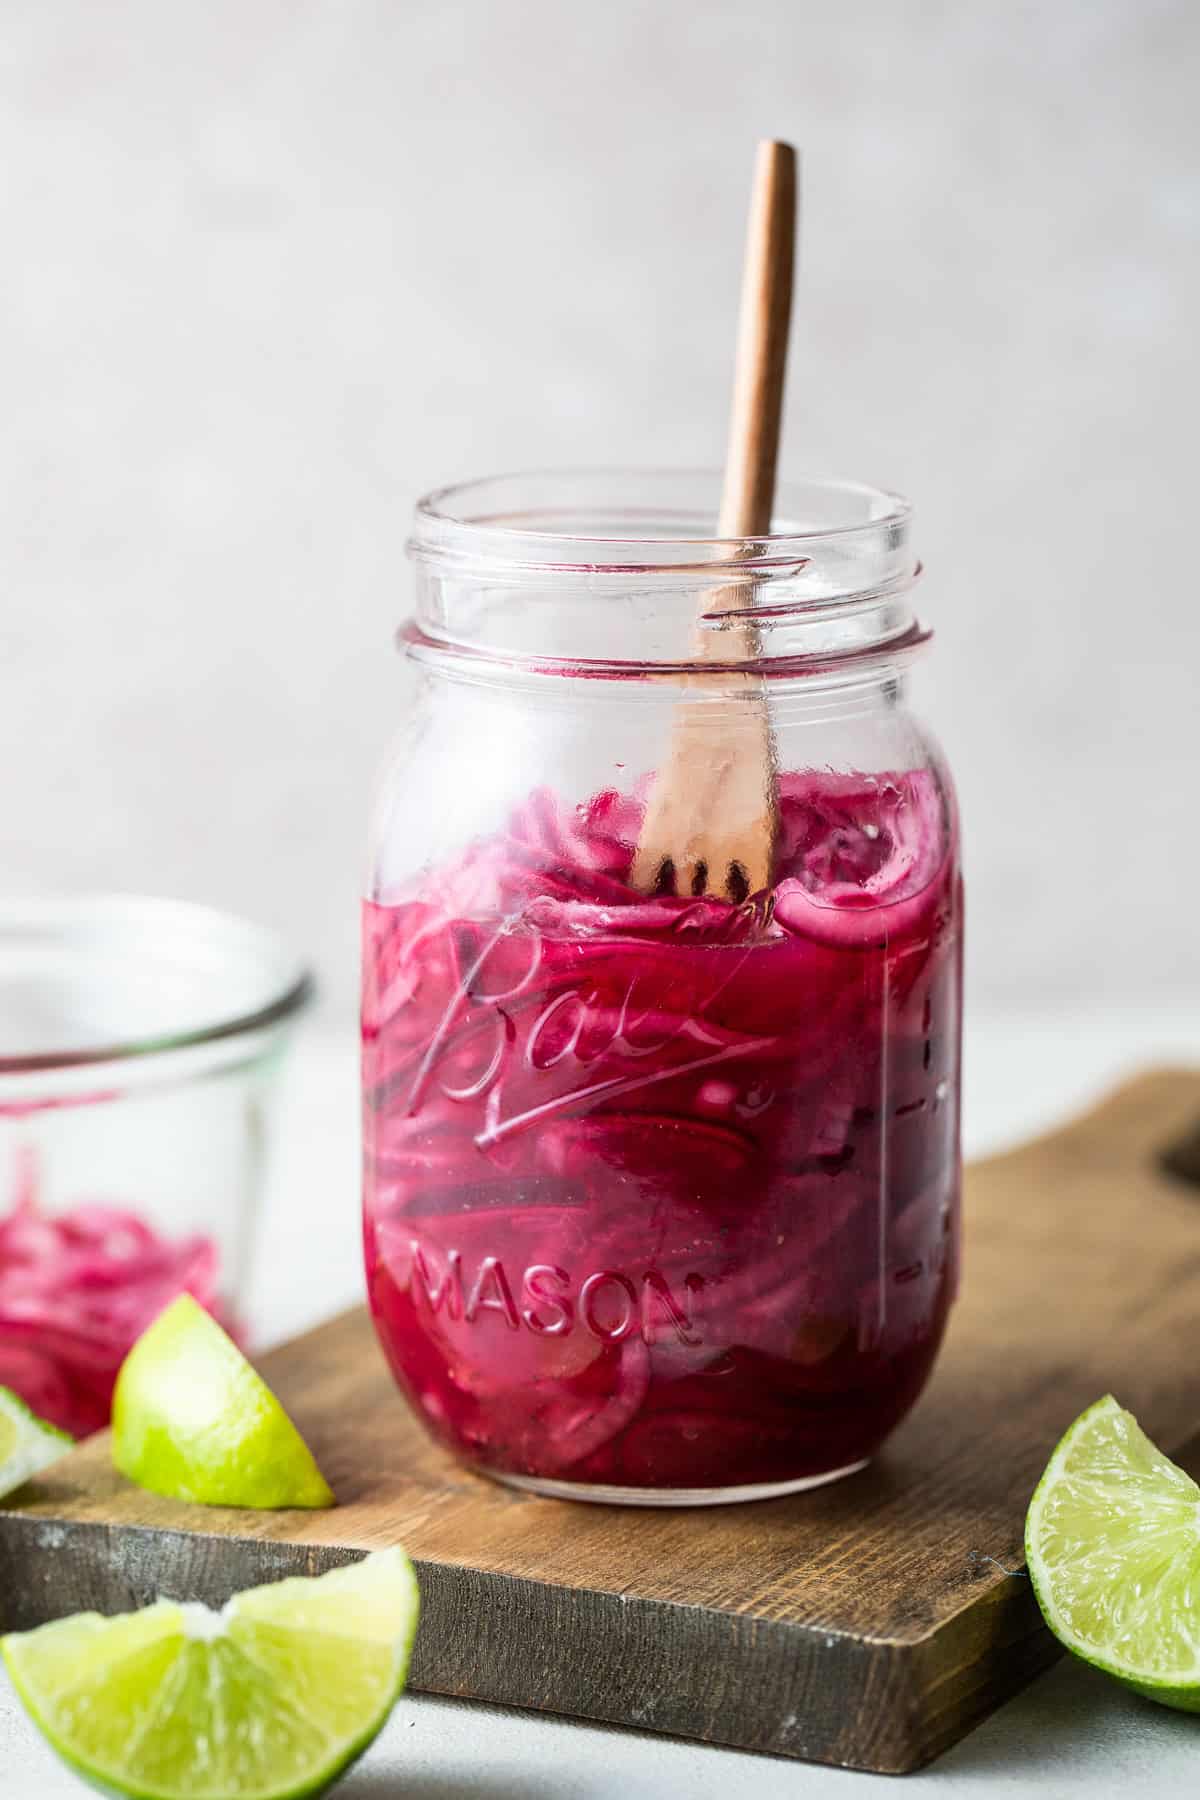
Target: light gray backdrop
x=272, y=267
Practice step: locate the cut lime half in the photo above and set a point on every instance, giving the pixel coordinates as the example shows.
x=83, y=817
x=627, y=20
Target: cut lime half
x=192, y=1419
x=269, y=1699
x=27, y=1444
x=1112, y=1540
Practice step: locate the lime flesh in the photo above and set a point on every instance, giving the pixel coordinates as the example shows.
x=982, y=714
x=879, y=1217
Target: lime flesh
x=192, y=1420
x=1112, y=1540
x=27, y=1444
x=269, y=1699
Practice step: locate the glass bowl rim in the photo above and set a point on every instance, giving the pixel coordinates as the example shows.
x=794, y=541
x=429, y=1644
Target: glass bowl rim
x=289, y=994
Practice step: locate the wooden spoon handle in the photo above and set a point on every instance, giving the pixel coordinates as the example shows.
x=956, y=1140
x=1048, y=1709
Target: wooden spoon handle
x=761, y=359
x=712, y=818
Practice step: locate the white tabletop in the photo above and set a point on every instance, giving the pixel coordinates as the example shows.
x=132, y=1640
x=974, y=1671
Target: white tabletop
x=1070, y=1733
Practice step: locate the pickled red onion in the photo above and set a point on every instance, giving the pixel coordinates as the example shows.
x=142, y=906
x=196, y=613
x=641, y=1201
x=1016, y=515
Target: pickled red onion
x=76, y=1289
x=662, y=1191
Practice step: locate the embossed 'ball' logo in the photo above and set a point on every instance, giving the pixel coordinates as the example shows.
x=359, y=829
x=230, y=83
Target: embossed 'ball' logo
x=586, y=1044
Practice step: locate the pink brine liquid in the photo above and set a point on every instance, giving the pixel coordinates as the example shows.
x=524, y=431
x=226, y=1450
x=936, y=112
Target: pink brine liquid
x=662, y=1194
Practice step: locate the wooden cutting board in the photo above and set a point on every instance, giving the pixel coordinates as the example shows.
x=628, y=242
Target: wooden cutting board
x=869, y=1624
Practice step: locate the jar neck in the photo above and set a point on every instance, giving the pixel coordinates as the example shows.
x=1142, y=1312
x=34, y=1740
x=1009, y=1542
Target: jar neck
x=834, y=688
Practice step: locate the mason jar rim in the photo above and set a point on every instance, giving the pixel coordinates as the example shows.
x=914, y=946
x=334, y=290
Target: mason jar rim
x=620, y=574
x=492, y=520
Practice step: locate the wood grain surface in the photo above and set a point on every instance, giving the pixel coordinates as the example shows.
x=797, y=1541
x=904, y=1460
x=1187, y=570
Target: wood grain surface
x=869, y=1624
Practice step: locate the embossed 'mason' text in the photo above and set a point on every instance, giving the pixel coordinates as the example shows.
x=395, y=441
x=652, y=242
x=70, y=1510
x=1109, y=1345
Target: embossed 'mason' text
x=547, y=1300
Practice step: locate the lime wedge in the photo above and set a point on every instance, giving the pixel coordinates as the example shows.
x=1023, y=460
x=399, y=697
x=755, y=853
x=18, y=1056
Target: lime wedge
x=27, y=1443
x=192, y=1420
x=272, y=1696
x=1112, y=1539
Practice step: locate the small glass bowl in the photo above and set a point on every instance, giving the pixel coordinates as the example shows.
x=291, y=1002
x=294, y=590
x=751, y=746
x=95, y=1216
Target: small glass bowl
x=139, y=1043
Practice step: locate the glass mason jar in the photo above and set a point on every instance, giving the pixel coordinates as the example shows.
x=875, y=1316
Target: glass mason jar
x=661, y=1194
